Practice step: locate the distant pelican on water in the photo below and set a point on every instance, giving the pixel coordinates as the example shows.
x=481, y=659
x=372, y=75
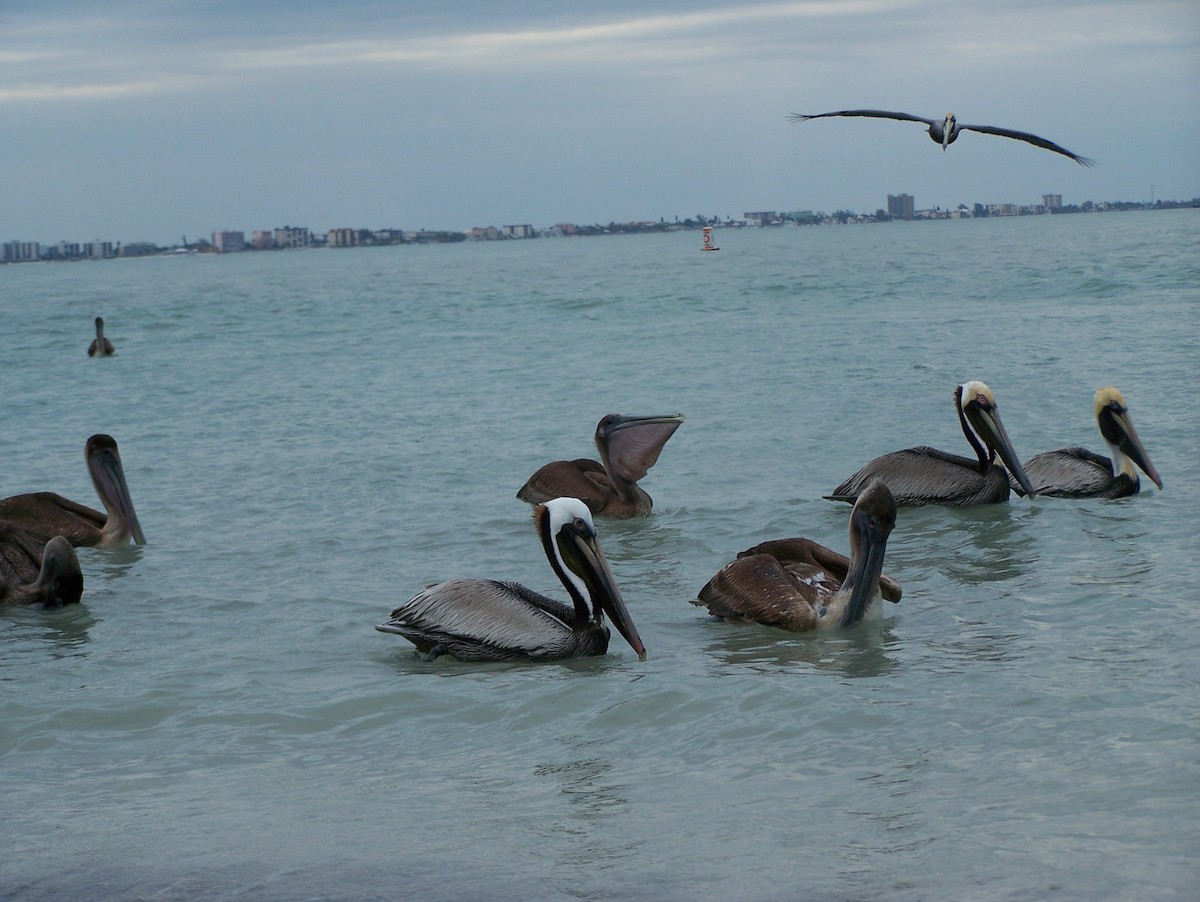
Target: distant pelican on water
x=1080, y=473
x=100, y=346
x=925, y=475
x=945, y=131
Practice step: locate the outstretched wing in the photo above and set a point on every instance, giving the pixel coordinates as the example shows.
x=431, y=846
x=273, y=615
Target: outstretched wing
x=1028, y=138
x=870, y=114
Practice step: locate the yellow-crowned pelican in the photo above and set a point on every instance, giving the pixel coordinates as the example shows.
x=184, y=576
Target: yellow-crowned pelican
x=799, y=585
x=487, y=620
x=945, y=131
x=1080, y=473
x=100, y=346
x=629, y=447
x=33, y=573
x=925, y=475
x=45, y=514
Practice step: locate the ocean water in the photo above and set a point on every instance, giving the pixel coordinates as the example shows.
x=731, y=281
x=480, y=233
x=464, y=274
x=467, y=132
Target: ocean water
x=310, y=437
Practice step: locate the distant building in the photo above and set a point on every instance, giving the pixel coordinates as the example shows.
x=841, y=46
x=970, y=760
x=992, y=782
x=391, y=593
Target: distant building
x=229, y=242
x=348, y=237
x=764, y=217
x=1052, y=201
x=138, y=249
x=262, y=239
x=484, y=233
x=98, y=250
x=517, y=231
x=292, y=237
x=900, y=206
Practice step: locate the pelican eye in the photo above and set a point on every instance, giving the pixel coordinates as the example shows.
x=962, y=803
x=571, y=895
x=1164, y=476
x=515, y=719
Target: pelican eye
x=579, y=524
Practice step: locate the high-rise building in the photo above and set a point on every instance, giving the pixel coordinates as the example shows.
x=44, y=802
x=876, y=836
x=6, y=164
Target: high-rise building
x=900, y=206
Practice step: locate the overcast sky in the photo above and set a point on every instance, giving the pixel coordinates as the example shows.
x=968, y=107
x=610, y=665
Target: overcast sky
x=141, y=120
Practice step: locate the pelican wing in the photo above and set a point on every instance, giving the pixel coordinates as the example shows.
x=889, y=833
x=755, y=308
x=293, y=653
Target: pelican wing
x=870, y=114
x=583, y=479
x=483, y=618
x=916, y=476
x=1028, y=138
x=798, y=554
x=45, y=515
x=758, y=587
x=20, y=555
x=1070, y=473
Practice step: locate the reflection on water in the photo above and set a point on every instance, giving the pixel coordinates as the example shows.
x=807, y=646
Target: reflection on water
x=990, y=543
x=858, y=652
x=32, y=634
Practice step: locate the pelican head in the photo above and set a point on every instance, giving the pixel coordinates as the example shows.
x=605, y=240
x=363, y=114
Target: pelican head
x=629, y=446
x=948, y=130
x=979, y=410
x=60, y=581
x=1112, y=416
x=569, y=536
x=108, y=476
x=871, y=522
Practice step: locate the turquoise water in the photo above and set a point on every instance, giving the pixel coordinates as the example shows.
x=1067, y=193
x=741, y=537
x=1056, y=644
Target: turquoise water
x=310, y=437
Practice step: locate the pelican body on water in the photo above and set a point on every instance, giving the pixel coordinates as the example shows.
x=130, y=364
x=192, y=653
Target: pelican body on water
x=33, y=573
x=100, y=346
x=629, y=447
x=489, y=620
x=800, y=585
x=925, y=475
x=45, y=515
x=1080, y=473
x=946, y=131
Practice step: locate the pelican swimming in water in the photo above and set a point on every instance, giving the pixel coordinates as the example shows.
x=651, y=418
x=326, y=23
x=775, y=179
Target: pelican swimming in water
x=487, y=620
x=100, y=346
x=924, y=475
x=629, y=447
x=799, y=585
x=1080, y=473
x=45, y=514
x=35, y=574
x=945, y=131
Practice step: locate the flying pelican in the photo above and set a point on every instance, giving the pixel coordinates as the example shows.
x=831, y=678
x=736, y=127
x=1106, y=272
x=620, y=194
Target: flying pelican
x=45, y=514
x=799, y=585
x=945, y=131
x=33, y=574
x=487, y=620
x=1079, y=473
x=629, y=447
x=100, y=346
x=924, y=475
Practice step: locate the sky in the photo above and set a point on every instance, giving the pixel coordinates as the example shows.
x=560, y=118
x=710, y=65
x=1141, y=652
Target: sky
x=143, y=120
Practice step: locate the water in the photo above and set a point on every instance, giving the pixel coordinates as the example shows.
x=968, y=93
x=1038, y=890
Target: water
x=312, y=436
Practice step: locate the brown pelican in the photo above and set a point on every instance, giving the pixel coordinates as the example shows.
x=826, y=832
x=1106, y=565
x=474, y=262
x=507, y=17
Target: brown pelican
x=629, y=447
x=487, y=620
x=945, y=131
x=1079, y=473
x=799, y=585
x=33, y=574
x=100, y=346
x=45, y=514
x=924, y=475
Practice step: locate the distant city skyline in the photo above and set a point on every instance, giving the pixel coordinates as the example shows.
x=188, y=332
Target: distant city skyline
x=149, y=120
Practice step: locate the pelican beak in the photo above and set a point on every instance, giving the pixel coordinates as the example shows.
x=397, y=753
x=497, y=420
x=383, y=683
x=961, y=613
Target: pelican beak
x=1117, y=429
x=871, y=522
x=631, y=445
x=590, y=564
x=990, y=427
x=104, y=462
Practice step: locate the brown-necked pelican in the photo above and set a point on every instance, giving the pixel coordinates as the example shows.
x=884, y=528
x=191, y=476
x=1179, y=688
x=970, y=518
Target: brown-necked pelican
x=799, y=585
x=945, y=131
x=45, y=514
x=1080, y=473
x=924, y=475
x=32, y=573
x=100, y=346
x=629, y=447
x=487, y=620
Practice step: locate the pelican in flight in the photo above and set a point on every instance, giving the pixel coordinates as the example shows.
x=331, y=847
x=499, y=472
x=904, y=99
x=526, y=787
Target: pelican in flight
x=33, y=574
x=100, y=346
x=799, y=585
x=629, y=447
x=487, y=620
x=924, y=475
x=1080, y=473
x=45, y=514
x=945, y=131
